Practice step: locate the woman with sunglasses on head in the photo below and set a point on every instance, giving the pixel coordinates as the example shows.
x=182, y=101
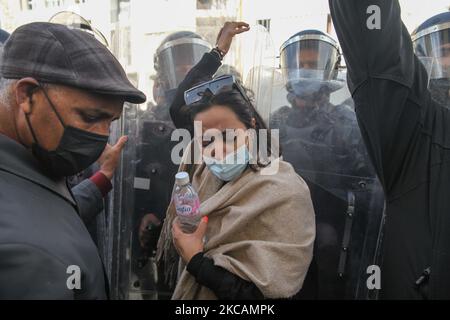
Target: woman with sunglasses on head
x=256, y=238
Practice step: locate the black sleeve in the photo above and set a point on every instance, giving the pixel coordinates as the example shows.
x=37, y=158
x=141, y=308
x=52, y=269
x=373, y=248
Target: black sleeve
x=388, y=84
x=385, y=53
x=89, y=200
x=225, y=285
x=202, y=71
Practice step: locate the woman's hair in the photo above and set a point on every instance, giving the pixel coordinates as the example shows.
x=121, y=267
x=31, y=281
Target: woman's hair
x=245, y=112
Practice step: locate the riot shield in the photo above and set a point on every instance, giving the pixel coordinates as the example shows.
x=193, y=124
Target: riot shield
x=74, y=20
x=147, y=175
x=320, y=137
x=144, y=185
x=142, y=188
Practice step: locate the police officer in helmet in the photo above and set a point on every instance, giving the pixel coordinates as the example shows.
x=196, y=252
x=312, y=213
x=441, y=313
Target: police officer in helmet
x=174, y=57
x=321, y=139
x=431, y=42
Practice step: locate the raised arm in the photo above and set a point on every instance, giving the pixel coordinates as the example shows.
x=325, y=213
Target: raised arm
x=203, y=71
x=374, y=40
x=388, y=84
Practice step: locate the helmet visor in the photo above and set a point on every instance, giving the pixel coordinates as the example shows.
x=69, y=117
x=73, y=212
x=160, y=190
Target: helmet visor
x=310, y=54
x=176, y=58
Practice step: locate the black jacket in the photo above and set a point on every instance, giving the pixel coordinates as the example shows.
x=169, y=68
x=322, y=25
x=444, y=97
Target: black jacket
x=42, y=233
x=407, y=137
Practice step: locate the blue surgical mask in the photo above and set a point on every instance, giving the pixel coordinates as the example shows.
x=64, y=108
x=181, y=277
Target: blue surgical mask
x=231, y=167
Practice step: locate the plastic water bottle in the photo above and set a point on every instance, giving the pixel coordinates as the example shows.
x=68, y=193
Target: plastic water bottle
x=187, y=203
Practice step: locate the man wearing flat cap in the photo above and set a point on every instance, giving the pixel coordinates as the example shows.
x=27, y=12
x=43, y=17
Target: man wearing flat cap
x=60, y=89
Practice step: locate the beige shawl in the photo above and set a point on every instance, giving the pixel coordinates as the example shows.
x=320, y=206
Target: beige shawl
x=261, y=228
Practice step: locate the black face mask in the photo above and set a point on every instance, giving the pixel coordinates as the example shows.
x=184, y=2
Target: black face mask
x=76, y=151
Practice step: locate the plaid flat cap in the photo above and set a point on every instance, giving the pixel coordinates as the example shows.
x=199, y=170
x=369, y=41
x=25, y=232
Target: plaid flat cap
x=54, y=53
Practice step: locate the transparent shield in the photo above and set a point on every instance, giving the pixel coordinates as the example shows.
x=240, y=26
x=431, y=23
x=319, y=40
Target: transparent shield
x=342, y=95
x=74, y=20
x=252, y=59
x=320, y=137
x=141, y=195
x=143, y=183
x=143, y=187
x=260, y=81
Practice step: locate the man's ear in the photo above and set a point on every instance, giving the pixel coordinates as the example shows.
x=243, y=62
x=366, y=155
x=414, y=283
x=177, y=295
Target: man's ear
x=24, y=89
x=253, y=123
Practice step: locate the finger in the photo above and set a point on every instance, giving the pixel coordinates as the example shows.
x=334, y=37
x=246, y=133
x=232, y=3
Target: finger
x=154, y=219
x=240, y=24
x=176, y=230
x=107, y=148
x=175, y=221
x=239, y=31
x=121, y=143
x=201, y=229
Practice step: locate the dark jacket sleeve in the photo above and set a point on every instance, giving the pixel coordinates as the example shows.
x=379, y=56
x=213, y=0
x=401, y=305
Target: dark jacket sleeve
x=224, y=284
x=385, y=53
x=202, y=71
x=388, y=84
x=89, y=200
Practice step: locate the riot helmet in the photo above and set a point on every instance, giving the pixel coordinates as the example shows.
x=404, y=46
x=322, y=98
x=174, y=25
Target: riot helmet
x=309, y=61
x=176, y=55
x=432, y=45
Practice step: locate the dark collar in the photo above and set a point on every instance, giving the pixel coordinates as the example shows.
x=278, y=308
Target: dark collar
x=18, y=160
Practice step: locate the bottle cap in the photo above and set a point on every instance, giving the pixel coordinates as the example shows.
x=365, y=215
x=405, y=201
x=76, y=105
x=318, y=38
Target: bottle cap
x=182, y=178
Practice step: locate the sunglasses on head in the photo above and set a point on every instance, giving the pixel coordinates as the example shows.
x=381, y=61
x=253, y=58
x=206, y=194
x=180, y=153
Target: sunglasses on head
x=213, y=87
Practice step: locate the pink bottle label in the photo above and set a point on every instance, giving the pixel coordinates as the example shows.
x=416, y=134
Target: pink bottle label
x=185, y=207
